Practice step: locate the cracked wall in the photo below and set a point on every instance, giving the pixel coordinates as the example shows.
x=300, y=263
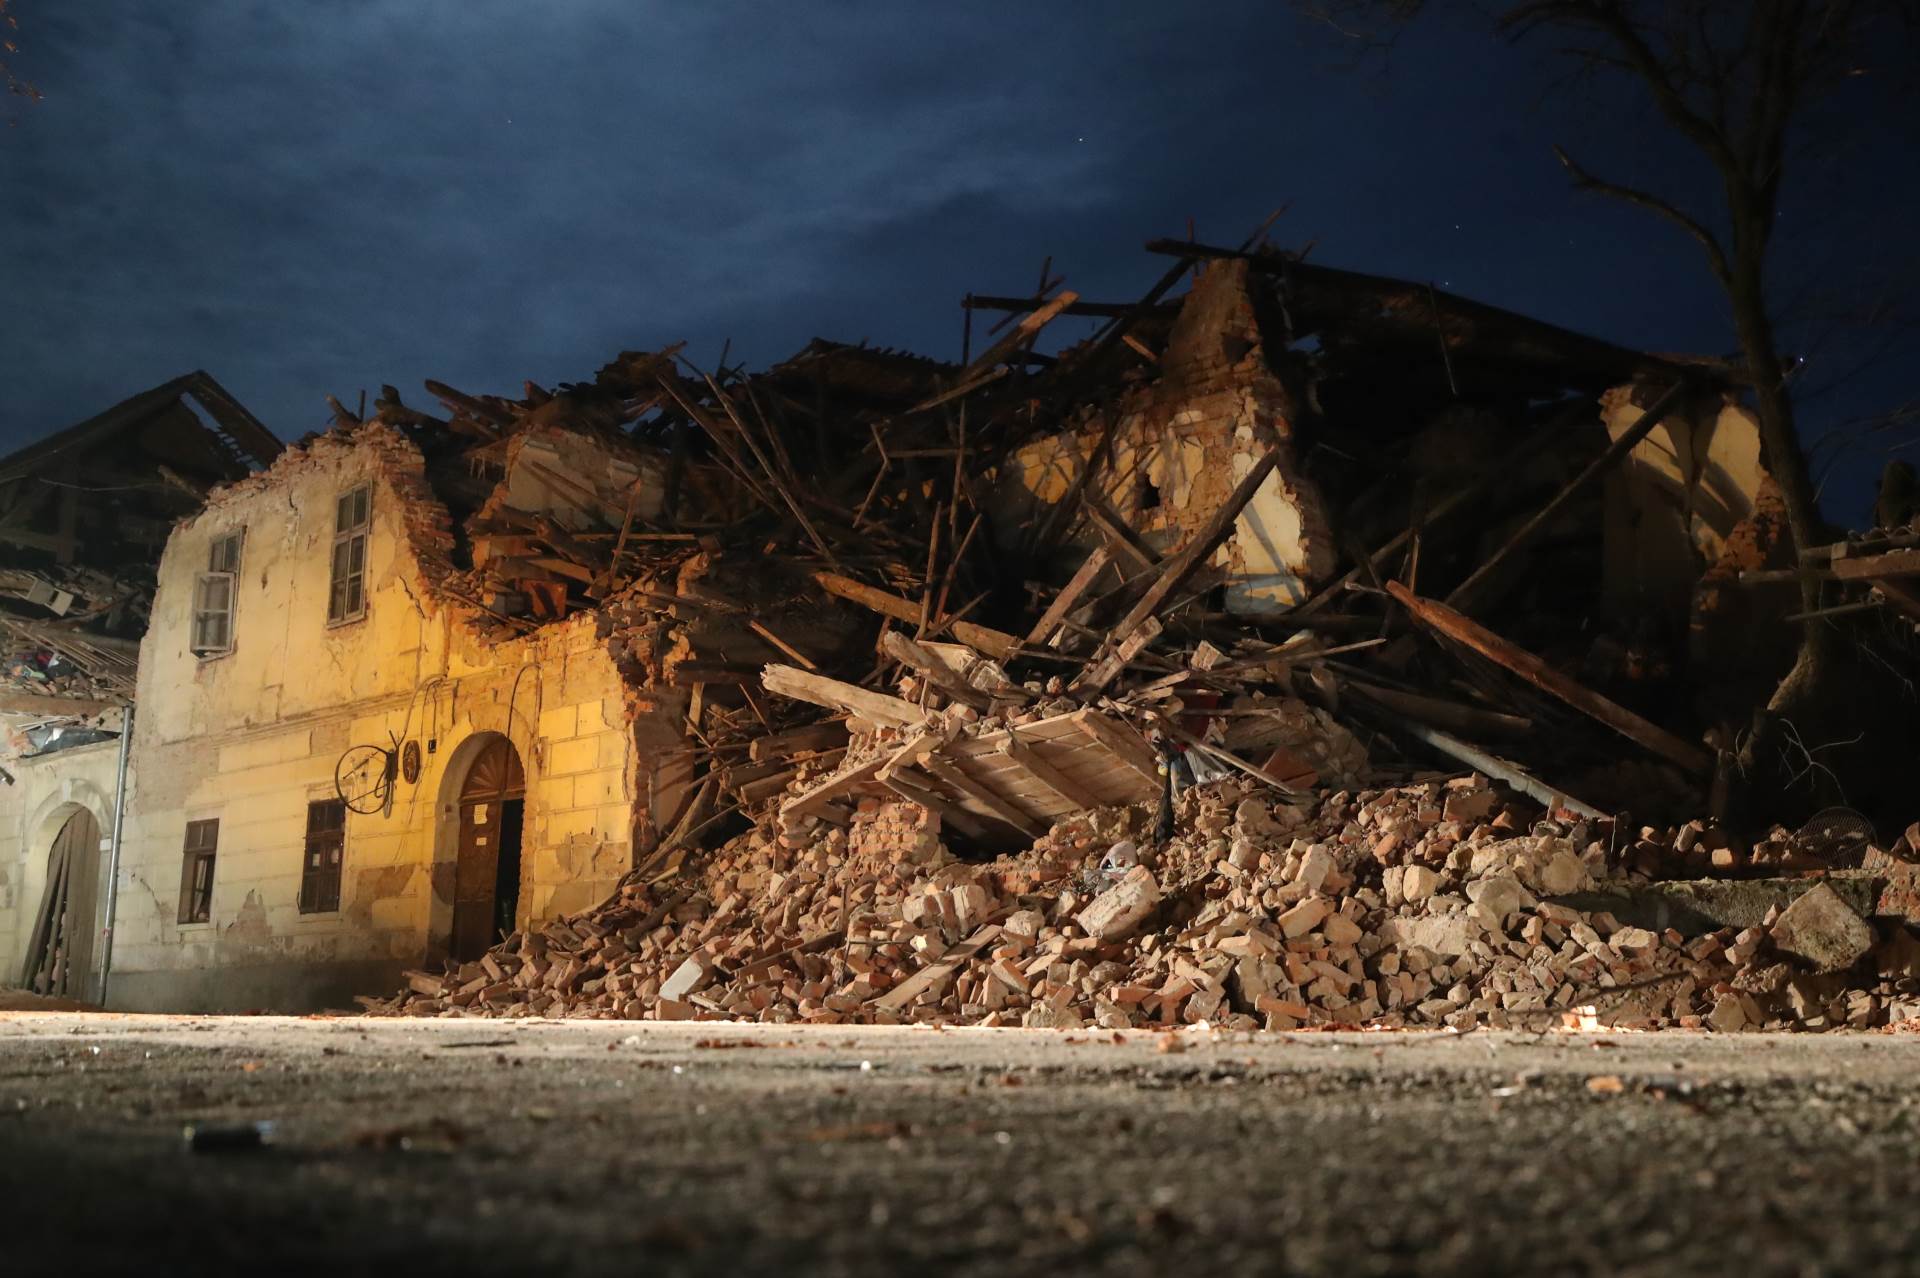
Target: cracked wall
x=1185, y=439
x=253, y=736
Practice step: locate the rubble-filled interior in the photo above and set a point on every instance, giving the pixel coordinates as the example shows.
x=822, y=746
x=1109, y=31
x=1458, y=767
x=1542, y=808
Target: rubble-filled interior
x=1302, y=647
x=83, y=514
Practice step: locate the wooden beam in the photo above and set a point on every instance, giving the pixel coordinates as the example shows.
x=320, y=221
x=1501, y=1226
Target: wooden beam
x=783, y=645
x=902, y=995
x=1500, y=770
x=950, y=775
x=1439, y=617
x=1124, y=745
x=935, y=671
x=995, y=643
x=1063, y=603
x=1027, y=761
x=1120, y=539
x=1025, y=331
x=915, y=787
x=1900, y=596
x=40, y=703
x=1102, y=671
x=1463, y=594
x=781, y=745
x=875, y=707
x=815, y=800
x=1184, y=560
x=1894, y=563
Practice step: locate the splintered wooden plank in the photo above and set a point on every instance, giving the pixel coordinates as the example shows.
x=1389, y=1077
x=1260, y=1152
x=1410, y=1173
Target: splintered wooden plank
x=1101, y=672
x=958, y=782
x=1180, y=565
x=995, y=643
x=1030, y=765
x=875, y=707
x=902, y=995
x=816, y=799
x=817, y=736
x=1069, y=595
x=1438, y=617
x=935, y=671
x=1124, y=744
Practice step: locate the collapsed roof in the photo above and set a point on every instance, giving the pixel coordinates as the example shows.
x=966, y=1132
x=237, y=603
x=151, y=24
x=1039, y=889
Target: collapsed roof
x=84, y=514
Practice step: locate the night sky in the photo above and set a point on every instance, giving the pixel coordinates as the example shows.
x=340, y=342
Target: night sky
x=306, y=199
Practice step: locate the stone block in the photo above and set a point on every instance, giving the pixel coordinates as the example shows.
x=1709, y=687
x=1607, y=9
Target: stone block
x=1823, y=929
x=582, y=754
x=561, y=723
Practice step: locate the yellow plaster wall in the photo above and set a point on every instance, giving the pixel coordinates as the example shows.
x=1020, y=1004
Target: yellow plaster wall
x=254, y=736
x=1674, y=499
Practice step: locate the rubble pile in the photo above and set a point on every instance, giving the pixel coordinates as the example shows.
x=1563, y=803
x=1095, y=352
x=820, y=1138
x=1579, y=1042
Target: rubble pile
x=1103, y=685
x=1436, y=904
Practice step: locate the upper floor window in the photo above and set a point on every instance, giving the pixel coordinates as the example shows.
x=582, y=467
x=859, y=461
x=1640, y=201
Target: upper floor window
x=213, y=592
x=352, y=519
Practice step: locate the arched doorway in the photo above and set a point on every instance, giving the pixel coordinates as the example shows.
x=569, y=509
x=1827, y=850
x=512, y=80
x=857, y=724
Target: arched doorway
x=59, y=958
x=486, y=876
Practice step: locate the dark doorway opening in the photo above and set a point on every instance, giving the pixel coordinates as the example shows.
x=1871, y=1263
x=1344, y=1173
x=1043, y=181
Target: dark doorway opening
x=506, y=879
x=486, y=881
x=60, y=947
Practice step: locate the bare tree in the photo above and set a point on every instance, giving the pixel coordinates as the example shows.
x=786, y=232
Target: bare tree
x=1735, y=78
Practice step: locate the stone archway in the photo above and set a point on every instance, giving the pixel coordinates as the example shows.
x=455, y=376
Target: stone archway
x=486, y=785
x=59, y=956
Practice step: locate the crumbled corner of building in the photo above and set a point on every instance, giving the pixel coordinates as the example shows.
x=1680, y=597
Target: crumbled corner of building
x=1302, y=649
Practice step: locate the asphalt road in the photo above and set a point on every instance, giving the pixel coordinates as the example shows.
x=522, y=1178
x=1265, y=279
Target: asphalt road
x=469, y=1147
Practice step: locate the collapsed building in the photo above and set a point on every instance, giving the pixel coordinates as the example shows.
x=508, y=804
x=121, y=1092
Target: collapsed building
x=432, y=687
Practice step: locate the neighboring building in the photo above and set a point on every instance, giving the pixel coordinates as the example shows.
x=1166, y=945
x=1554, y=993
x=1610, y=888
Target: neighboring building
x=83, y=516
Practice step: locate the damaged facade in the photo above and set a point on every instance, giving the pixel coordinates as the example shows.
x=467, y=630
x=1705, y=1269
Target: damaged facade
x=272, y=864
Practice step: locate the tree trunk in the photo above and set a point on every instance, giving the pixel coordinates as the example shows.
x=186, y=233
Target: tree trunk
x=1805, y=691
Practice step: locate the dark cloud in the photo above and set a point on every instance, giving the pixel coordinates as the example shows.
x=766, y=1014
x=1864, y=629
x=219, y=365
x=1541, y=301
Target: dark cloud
x=309, y=199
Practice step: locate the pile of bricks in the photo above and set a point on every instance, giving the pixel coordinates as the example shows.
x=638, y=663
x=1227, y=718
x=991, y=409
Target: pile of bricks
x=1435, y=904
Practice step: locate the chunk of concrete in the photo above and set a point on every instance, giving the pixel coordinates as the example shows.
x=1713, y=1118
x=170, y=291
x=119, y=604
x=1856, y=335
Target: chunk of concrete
x=1823, y=929
x=1122, y=907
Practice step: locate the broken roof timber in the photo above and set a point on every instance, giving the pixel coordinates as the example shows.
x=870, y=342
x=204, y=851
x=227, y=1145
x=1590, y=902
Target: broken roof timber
x=1362, y=309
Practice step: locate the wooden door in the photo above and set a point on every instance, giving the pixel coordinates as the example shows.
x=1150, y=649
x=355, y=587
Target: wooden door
x=60, y=950
x=494, y=781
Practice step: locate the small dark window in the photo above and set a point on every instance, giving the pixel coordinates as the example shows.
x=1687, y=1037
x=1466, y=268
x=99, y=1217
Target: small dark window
x=196, y=871
x=213, y=598
x=352, y=518
x=320, y=872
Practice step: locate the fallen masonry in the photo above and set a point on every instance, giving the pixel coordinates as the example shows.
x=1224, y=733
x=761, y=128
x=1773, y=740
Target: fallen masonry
x=1371, y=908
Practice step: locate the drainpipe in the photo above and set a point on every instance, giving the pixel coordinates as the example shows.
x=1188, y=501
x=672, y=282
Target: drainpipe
x=113, y=854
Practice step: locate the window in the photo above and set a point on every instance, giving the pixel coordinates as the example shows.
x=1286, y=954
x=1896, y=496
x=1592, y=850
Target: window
x=196, y=872
x=320, y=873
x=352, y=516
x=213, y=598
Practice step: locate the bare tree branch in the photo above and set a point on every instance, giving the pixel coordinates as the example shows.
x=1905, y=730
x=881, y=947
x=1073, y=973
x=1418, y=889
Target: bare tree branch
x=1585, y=181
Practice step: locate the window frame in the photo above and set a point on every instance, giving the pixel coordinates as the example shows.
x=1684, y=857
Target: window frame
x=223, y=569
x=199, y=847
x=320, y=884
x=343, y=578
